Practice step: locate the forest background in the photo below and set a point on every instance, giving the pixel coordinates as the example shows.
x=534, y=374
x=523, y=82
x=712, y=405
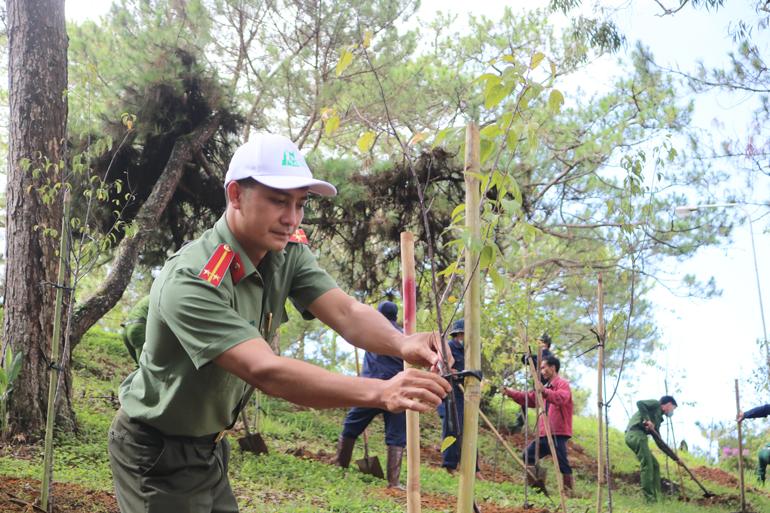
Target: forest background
x=699, y=144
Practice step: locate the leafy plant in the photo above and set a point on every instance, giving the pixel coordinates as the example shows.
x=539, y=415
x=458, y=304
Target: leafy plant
x=9, y=371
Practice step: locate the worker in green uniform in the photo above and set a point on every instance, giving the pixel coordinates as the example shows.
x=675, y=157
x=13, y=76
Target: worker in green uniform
x=212, y=308
x=648, y=417
x=134, y=328
x=763, y=460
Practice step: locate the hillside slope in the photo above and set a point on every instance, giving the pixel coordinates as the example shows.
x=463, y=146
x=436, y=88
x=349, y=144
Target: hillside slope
x=297, y=475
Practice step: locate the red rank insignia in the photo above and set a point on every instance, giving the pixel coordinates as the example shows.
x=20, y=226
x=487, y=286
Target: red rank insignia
x=217, y=265
x=236, y=269
x=299, y=237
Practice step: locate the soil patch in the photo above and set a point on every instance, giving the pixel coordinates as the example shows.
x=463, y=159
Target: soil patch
x=22, y=496
x=716, y=475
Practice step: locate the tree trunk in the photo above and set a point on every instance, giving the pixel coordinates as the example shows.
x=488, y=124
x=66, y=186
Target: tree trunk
x=37, y=46
x=148, y=218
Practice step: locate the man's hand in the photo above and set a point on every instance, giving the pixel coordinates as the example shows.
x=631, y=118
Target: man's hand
x=648, y=426
x=414, y=389
x=740, y=417
x=424, y=350
x=508, y=391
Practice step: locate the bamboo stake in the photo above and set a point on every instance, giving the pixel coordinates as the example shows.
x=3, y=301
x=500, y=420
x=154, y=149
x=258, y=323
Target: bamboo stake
x=600, y=398
x=740, y=447
x=515, y=456
x=548, y=435
x=409, y=293
x=50, y=418
x=472, y=302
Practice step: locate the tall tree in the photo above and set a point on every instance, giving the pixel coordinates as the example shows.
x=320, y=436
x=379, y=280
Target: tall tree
x=37, y=46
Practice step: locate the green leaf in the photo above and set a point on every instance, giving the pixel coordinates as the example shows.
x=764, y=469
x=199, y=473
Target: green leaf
x=555, y=100
x=494, y=95
x=447, y=442
x=486, y=257
x=536, y=59
x=440, y=136
x=345, y=60
x=365, y=142
x=487, y=149
x=458, y=210
x=490, y=131
x=332, y=124
x=15, y=368
x=497, y=280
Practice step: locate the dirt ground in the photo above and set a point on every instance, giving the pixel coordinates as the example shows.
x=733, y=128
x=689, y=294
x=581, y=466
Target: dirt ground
x=22, y=496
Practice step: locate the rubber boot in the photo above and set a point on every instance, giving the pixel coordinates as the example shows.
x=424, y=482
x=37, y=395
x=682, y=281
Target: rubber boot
x=569, y=484
x=395, y=455
x=344, y=451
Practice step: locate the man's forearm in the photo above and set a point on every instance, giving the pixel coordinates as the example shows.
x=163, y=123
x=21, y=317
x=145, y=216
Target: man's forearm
x=307, y=385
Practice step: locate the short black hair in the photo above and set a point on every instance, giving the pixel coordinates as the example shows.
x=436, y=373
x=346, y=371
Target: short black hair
x=668, y=399
x=552, y=361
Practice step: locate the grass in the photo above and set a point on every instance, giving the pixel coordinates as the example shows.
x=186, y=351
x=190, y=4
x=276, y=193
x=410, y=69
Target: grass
x=281, y=482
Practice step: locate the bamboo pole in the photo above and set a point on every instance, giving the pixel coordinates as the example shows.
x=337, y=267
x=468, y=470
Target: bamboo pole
x=409, y=293
x=507, y=447
x=740, y=447
x=472, y=302
x=600, y=398
x=548, y=434
x=50, y=417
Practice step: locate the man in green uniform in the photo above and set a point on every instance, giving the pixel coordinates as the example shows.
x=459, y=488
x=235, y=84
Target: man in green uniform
x=763, y=460
x=212, y=307
x=648, y=418
x=134, y=328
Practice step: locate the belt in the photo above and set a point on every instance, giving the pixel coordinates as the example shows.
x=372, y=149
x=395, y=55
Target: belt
x=213, y=438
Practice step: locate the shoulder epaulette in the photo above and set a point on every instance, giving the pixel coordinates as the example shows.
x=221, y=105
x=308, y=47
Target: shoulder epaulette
x=299, y=237
x=217, y=266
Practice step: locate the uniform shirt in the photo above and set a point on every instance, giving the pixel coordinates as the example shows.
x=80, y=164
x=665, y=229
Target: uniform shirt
x=382, y=366
x=177, y=389
x=646, y=410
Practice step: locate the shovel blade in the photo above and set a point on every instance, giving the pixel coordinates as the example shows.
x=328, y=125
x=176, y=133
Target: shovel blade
x=371, y=466
x=253, y=443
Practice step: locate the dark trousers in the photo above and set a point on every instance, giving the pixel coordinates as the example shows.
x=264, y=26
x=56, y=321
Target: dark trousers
x=154, y=473
x=560, y=442
x=358, y=419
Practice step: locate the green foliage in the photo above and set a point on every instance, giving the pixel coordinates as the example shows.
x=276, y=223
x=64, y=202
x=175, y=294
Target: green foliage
x=287, y=480
x=9, y=371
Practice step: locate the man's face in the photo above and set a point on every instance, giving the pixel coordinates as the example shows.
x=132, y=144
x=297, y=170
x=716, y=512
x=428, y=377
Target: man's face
x=264, y=218
x=668, y=409
x=547, y=371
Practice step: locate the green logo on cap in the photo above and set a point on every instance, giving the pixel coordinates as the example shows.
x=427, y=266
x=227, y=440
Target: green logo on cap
x=290, y=159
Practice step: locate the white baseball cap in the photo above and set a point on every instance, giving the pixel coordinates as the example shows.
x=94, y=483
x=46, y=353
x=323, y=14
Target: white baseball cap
x=275, y=161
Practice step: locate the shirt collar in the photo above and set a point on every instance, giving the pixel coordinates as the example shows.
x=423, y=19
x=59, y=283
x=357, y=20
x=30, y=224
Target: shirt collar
x=271, y=260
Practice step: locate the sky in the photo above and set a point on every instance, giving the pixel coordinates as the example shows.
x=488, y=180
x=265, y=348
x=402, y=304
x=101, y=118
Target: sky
x=710, y=343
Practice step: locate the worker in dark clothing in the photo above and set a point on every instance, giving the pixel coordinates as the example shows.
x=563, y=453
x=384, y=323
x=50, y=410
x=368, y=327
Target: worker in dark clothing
x=381, y=367
x=755, y=413
x=763, y=457
x=648, y=418
x=543, y=345
x=450, y=458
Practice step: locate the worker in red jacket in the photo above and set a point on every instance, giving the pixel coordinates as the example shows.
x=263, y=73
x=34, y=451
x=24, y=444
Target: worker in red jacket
x=558, y=402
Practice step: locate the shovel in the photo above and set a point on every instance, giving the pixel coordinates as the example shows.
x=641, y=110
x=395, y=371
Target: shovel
x=671, y=454
x=252, y=442
x=369, y=464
